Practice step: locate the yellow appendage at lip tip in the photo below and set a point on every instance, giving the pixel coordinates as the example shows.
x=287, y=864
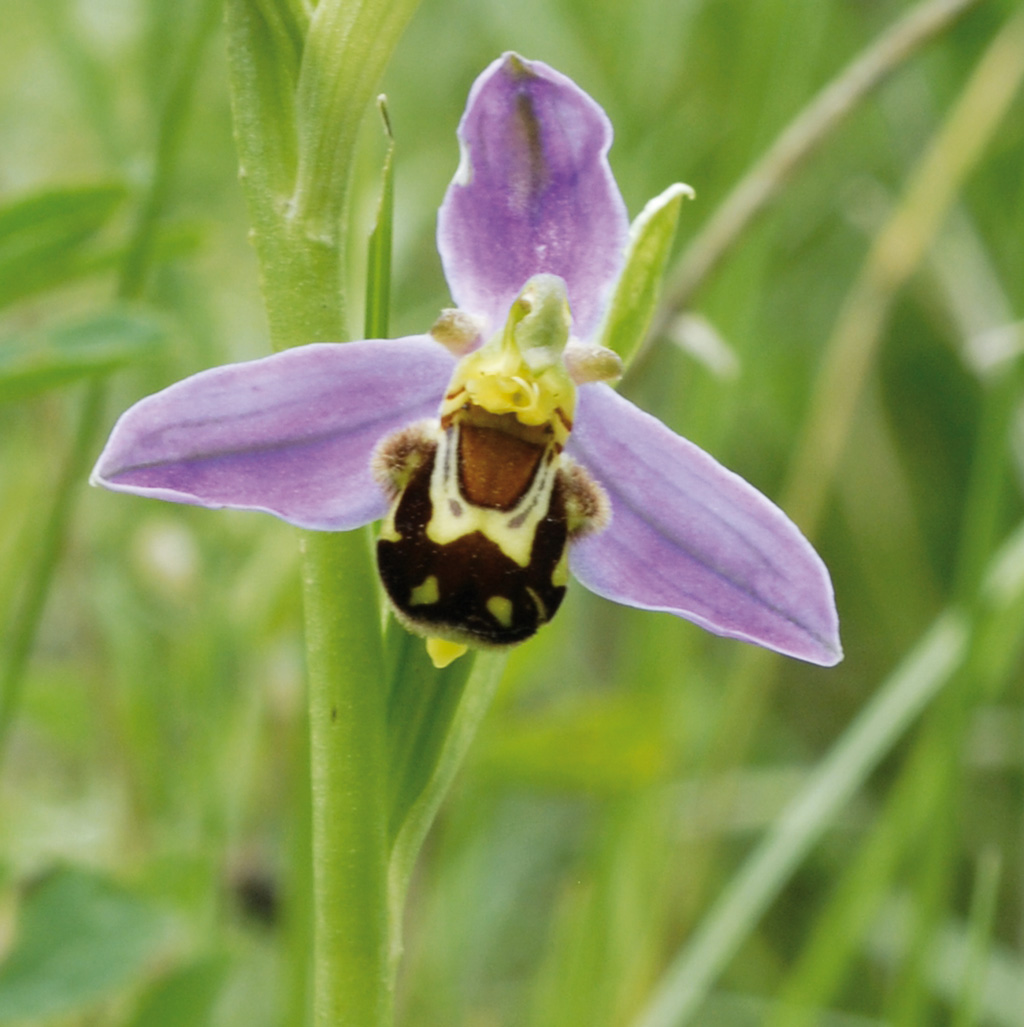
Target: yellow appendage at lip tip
x=442, y=652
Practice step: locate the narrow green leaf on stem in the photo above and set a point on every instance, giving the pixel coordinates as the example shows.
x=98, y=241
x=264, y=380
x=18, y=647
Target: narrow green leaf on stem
x=378, y=263
x=347, y=48
x=422, y=703
x=436, y=776
x=296, y=128
x=263, y=64
x=639, y=286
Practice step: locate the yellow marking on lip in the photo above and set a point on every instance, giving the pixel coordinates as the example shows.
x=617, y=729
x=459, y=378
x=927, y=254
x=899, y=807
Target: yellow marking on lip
x=542, y=610
x=561, y=576
x=426, y=593
x=500, y=608
x=442, y=652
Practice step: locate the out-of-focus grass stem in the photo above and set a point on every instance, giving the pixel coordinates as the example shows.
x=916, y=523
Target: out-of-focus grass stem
x=894, y=256
x=982, y=914
x=894, y=707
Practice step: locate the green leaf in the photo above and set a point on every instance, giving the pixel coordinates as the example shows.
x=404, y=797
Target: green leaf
x=378, y=262
x=80, y=938
x=59, y=355
x=43, y=235
x=639, y=287
x=422, y=703
x=187, y=995
x=433, y=717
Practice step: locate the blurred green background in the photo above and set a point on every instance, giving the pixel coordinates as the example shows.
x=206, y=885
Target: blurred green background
x=152, y=797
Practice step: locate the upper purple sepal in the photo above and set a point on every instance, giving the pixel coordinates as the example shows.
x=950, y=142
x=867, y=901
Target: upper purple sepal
x=689, y=537
x=291, y=434
x=533, y=194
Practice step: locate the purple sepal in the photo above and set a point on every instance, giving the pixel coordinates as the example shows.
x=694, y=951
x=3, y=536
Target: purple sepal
x=533, y=193
x=689, y=537
x=291, y=434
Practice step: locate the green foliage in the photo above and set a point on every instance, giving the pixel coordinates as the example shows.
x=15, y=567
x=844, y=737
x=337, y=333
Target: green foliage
x=61, y=354
x=643, y=803
x=45, y=236
x=188, y=995
x=80, y=939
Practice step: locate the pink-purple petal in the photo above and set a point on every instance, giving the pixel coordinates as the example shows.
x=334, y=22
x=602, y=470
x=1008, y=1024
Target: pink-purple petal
x=291, y=434
x=689, y=537
x=533, y=193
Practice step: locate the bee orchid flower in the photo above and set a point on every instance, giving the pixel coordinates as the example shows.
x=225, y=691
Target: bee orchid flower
x=493, y=448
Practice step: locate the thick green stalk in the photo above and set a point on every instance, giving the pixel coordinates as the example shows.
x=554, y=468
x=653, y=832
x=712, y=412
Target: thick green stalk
x=299, y=93
x=347, y=705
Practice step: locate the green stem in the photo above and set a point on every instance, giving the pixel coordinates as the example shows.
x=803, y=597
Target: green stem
x=298, y=104
x=348, y=760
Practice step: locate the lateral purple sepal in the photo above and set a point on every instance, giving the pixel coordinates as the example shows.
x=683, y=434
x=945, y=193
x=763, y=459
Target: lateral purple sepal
x=291, y=434
x=689, y=537
x=533, y=193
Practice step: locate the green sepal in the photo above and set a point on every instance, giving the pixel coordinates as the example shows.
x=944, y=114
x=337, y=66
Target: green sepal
x=378, y=251
x=639, y=287
x=61, y=354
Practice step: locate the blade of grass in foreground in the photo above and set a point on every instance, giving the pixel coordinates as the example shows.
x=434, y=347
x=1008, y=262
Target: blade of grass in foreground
x=894, y=707
x=896, y=253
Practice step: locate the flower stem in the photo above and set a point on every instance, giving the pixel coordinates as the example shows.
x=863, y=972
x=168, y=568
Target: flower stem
x=300, y=87
x=347, y=756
